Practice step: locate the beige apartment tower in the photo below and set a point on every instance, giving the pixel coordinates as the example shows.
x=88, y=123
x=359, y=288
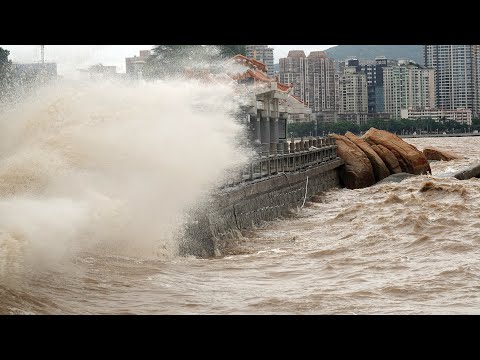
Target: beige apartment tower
x=313, y=78
x=321, y=82
x=294, y=70
x=353, y=93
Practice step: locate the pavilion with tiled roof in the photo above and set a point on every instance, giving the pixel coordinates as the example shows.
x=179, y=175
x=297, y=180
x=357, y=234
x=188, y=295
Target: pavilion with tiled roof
x=271, y=104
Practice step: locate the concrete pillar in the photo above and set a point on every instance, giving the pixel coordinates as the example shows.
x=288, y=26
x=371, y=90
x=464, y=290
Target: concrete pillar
x=282, y=127
x=334, y=151
x=302, y=143
x=255, y=126
x=273, y=149
x=273, y=134
x=265, y=133
x=310, y=141
x=274, y=130
x=285, y=147
x=292, y=146
x=265, y=130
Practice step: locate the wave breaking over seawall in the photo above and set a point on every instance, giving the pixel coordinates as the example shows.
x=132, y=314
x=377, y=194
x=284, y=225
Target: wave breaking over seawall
x=110, y=168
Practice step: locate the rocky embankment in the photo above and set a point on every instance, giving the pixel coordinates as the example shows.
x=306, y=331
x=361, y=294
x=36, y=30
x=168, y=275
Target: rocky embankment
x=379, y=154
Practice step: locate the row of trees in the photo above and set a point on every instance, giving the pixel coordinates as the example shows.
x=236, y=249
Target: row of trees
x=397, y=126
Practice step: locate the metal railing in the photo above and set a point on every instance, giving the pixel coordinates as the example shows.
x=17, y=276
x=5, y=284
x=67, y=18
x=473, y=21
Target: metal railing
x=293, y=157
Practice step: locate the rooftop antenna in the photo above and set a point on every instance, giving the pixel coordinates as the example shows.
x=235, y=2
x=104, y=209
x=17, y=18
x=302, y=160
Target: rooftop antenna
x=42, y=48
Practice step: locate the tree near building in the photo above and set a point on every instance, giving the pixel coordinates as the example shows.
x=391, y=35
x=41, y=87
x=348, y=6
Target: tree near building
x=5, y=72
x=171, y=60
x=476, y=123
x=232, y=50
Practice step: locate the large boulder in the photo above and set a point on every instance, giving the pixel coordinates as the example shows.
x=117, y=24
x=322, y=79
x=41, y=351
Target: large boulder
x=467, y=173
x=432, y=153
x=380, y=170
x=401, y=161
x=407, y=155
x=388, y=158
x=395, y=178
x=357, y=172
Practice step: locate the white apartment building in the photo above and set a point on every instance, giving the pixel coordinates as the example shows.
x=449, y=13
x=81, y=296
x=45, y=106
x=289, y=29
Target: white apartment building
x=455, y=79
x=462, y=116
x=408, y=85
x=353, y=93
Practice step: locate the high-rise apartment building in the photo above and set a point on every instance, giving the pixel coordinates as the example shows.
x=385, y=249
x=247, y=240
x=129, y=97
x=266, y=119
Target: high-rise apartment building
x=321, y=82
x=264, y=54
x=353, y=92
x=455, y=75
x=408, y=85
x=374, y=73
x=294, y=70
x=353, y=99
x=313, y=78
x=476, y=79
x=337, y=91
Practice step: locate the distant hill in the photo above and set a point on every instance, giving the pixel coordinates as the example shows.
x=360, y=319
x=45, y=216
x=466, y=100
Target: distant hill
x=369, y=52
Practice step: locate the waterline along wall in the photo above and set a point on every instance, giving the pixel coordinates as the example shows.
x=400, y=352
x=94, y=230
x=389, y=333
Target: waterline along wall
x=267, y=189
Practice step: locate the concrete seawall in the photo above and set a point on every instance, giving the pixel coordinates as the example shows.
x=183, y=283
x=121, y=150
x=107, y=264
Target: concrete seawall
x=249, y=204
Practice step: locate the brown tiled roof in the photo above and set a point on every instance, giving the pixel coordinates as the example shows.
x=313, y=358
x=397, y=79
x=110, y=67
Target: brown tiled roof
x=261, y=77
x=283, y=87
x=256, y=70
x=298, y=99
x=251, y=63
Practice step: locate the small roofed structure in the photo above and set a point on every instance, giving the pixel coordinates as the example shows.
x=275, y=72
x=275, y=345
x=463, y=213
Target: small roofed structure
x=271, y=105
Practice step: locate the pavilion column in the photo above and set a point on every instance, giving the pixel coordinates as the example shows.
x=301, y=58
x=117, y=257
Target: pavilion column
x=265, y=132
x=273, y=135
x=255, y=127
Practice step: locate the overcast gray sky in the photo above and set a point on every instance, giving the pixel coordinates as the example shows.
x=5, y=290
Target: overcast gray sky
x=70, y=58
